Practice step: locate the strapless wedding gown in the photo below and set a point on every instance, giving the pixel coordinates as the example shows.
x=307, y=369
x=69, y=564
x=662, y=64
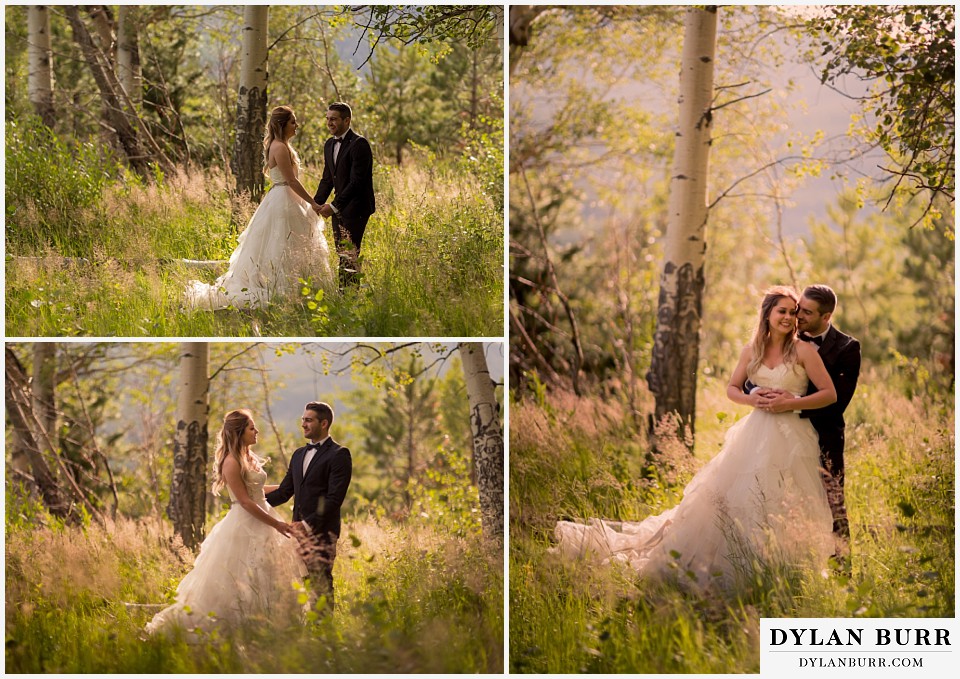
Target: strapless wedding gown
x=760, y=500
x=283, y=242
x=245, y=570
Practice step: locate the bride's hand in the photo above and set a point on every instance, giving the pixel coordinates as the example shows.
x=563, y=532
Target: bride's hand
x=774, y=400
x=284, y=528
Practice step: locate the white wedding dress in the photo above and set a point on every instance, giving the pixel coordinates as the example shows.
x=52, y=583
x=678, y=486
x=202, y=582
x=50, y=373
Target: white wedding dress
x=760, y=500
x=245, y=570
x=283, y=242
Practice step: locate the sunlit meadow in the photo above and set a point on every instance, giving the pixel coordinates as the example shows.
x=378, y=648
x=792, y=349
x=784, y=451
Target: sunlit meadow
x=93, y=251
x=410, y=599
x=573, y=457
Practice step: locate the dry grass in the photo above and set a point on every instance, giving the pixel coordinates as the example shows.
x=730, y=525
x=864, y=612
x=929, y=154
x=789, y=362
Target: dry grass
x=576, y=617
x=410, y=599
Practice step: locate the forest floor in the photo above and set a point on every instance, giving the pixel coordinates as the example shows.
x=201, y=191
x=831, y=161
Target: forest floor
x=409, y=599
x=92, y=256
x=584, y=457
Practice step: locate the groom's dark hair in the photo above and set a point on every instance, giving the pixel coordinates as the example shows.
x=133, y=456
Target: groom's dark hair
x=341, y=108
x=824, y=296
x=323, y=411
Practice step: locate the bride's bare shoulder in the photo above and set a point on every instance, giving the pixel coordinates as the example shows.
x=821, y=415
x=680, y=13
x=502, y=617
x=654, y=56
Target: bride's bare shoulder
x=805, y=350
x=278, y=150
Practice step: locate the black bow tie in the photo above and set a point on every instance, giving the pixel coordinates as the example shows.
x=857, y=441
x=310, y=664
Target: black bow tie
x=313, y=446
x=337, y=140
x=816, y=340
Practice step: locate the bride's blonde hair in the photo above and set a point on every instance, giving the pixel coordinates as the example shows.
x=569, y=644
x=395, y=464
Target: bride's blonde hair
x=762, y=332
x=279, y=117
x=230, y=444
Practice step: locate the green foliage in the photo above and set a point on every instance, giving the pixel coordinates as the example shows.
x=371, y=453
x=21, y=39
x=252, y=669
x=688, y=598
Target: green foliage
x=25, y=509
x=483, y=156
x=908, y=54
x=413, y=445
x=470, y=24
x=441, y=498
x=893, y=282
x=50, y=184
x=580, y=617
x=409, y=600
x=411, y=94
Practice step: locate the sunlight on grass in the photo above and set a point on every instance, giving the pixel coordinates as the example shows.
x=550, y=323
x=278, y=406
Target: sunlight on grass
x=409, y=600
x=110, y=266
x=582, y=457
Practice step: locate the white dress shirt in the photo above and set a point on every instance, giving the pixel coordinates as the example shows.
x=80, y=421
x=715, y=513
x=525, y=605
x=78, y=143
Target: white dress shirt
x=311, y=451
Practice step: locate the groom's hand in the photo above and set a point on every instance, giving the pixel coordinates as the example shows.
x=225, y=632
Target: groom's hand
x=325, y=210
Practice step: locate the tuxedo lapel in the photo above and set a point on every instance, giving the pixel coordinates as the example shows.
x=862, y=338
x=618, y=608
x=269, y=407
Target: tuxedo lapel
x=328, y=153
x=345, y=143
x=316, y=456
x=829, y=343
x=296, y=463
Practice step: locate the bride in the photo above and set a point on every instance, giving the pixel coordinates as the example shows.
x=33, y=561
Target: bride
x=247, y=566
x=283, y=241
x=761, y=499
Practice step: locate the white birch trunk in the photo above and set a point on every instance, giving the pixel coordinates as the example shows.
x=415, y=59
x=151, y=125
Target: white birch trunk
x=128, y=54
x=188, y=491
x=487, y=439
x=673, y=370
x=252, y=102
x=40, y=60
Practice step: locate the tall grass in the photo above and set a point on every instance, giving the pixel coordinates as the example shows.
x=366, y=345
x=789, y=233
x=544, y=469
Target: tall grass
x=580, y=457
x=94, y=251
x=410, y=599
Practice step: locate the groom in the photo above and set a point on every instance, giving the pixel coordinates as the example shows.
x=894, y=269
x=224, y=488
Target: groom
x=841, y=356
x=348, y=172
x=318, y=478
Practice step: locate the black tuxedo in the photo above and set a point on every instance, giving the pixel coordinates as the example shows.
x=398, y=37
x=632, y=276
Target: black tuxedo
x=841, y=357
x=317, y=498
x=351, y=178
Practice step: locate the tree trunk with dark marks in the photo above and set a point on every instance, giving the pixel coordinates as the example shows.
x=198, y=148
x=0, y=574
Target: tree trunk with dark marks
x=487, y=439
x=673, y=369
x=252, y=103
x=188, y=491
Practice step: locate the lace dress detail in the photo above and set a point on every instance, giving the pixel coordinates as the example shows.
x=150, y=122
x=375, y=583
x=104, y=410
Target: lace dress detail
x=760, y=497
x=283, y=242
x=246, y=571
